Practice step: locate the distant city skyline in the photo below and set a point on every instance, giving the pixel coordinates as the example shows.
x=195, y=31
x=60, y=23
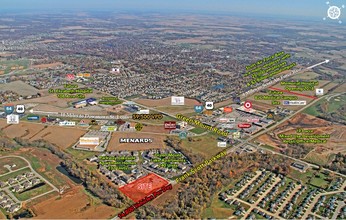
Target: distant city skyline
x=294, y=8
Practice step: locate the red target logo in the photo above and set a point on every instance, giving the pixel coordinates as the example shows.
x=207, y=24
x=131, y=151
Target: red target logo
x=248, y=105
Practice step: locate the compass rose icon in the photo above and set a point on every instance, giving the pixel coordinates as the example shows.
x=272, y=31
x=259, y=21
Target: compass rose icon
x=334, y=12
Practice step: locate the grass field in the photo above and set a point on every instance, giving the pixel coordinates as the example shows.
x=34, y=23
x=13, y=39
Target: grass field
x=11, y=161
x=320, y=181
x=206, y=144
x=80, y=155
x=316, y=158
x=335, y=104
x=198, y=130
x=303, y=177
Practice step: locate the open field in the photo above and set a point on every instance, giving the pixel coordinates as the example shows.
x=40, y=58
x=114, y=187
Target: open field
x=48, y=65
x=23, y=130
x=318, y=126
x=114, y=145
x=62, y=137
x=332, y=106
x=11, y=161
x=205, y=145
x=3, y=123
x=306, y=76
x=2, y=216
x=75, y=204
x=20, y=88
x=154, y=129
x=143, y=186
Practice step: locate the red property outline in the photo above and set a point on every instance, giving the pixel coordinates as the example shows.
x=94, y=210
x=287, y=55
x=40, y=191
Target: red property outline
x=294, y=93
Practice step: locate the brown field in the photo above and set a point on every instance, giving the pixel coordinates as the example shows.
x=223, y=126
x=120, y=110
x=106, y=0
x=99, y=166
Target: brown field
x=334, y=144
x=63, y=137
x=20, y=88
x=23, y=130
x=48, y=65
x=164, y=102
x=154, y=129
x=3, y=123
x=341, y=88
x=73, y=205
x=158, y=141
x=2, y=216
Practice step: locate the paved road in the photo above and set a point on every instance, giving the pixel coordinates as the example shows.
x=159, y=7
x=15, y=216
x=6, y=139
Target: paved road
x=13, y=171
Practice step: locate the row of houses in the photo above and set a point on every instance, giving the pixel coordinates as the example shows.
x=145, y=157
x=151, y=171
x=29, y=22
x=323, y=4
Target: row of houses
x=17, y=179
x=249, y=188
x=167, y=169
x=26, y=185
x=304, y=204
x=119, y=177
x=7, y=203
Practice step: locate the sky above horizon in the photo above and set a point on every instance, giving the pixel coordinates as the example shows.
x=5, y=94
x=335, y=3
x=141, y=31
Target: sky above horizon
x=306, y=8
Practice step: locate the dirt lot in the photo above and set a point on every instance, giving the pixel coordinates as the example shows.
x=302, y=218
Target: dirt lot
x=63, y=137
x=48, y=65
x=155, y=129
x=334, y=144
x=75, y=204
x=23, y=130
x=156, y=144
x=143, y=187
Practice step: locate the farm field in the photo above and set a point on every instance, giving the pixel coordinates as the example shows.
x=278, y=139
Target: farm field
x=76, y=203
x=20, y=88
x=23, y=130
x=62, y=137
x=114, y=145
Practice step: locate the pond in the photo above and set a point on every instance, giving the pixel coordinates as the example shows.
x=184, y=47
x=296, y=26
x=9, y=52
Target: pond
x=73, y=178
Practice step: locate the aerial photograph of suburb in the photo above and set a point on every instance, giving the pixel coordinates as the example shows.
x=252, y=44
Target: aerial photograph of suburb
x=173, y=109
